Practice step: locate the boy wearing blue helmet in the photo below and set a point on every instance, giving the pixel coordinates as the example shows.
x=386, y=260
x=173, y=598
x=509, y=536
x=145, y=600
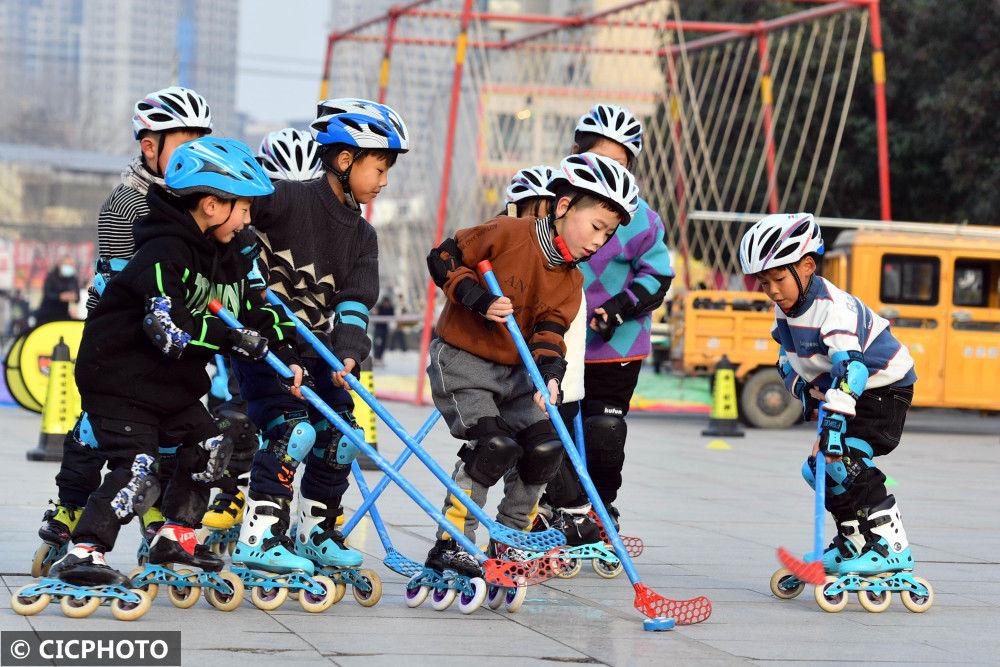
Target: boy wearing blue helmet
x=321, y=257
x=141, y=364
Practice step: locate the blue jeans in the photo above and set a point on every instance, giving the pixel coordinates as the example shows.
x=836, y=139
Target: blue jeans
x=268, y=402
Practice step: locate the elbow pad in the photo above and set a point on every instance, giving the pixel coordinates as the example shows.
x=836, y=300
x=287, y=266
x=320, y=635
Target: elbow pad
x=442, y=260
x=164, y=334
x=849, y=373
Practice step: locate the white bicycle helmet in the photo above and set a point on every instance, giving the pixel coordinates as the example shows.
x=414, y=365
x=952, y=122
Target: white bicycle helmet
x=289, y=155
x=779, y=240
x=602, y=177
x=529, y=183
x=170, y=109
x=615, y=123
x=361, y=123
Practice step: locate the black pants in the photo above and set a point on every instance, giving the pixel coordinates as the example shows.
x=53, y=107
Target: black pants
x=608, y=389
x=879, y=418
x=183, y=500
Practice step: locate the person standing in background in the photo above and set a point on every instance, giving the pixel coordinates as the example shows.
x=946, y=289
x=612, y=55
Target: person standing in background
x=61, y=289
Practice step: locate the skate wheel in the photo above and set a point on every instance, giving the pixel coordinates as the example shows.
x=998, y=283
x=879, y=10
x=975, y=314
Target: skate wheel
x=129, y=611
x=79, y=607
x=607, y=570
x=570, y=571
x=441, y=598
x=872, y=601
x=150, y=589
x=918, y=604
x=39, y=568
x=780, y=587
x=269, y=599
x=182, y=594
x=227, y=601
x=315, y=604
x=230, y=547
x=833, y=603
x=514, y=598
x=371, y=597
x=28, y=605
x=495, y=596
x=470, y=603
x=414, y=597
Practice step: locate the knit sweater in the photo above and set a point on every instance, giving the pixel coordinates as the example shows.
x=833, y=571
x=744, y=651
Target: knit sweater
x=546, y=298
x=321, y=258
x=634, y=263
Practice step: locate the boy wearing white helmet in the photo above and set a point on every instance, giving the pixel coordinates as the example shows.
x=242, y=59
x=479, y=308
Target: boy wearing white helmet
x=321, y=257
x=161, y=121
x=477, y=379
x=290, y=155
x=624, y=283
x=835, y=349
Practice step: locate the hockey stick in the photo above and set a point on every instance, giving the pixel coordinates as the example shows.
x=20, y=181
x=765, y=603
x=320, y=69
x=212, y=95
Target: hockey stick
x=540, y=541
x=812, y=571
x=647, y=601
x=508, y=574
x=394, y=559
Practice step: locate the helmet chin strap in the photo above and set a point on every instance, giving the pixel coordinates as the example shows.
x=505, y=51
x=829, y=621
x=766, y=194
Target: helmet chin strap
x=343, y=177
x=210, y=230
x=797, y=307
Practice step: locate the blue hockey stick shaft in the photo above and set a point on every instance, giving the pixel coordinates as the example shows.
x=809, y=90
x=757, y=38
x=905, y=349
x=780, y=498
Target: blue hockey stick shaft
x=312, y=397
x=820, y=496
x=384, y=482
x=542, y=541
x=581, y=444
x=595, y=499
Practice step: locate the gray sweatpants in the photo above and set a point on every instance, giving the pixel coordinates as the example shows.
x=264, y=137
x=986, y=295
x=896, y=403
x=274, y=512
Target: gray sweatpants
x=467, y=388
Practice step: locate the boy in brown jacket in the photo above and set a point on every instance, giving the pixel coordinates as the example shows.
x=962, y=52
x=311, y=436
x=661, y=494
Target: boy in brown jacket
x=477, y=379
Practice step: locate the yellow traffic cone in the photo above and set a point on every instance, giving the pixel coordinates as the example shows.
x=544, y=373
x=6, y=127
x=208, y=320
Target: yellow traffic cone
x=61, y=409
x=724, y=417
x=365, y=416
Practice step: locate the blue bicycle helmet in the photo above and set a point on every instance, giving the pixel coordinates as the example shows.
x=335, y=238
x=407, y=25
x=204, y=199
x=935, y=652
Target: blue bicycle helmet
x=225, y=168
x=360, y=123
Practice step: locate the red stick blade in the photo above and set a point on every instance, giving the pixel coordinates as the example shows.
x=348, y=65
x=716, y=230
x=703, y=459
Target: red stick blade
x=684, y=612
x=811, y=573
x=510, y=574
x=633, y=545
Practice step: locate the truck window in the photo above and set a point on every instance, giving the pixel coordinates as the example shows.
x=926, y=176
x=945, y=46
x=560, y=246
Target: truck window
x=976, y=283
x=910, y=279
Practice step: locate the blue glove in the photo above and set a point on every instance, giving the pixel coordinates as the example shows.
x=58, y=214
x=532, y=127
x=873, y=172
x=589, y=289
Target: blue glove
x=831, y=433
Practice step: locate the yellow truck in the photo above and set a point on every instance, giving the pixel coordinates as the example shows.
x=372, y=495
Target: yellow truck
x=939, y=285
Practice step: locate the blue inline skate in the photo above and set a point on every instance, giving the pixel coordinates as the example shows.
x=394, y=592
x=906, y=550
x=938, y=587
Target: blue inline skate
x=846, y=544
x=449, y=572
x=85, y=581
x=883, y=565
x=266, y=562
x=177, y=545
x=317, y=538
x=583, y=541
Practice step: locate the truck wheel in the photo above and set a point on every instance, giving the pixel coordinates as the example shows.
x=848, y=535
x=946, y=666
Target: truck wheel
x=765, y=403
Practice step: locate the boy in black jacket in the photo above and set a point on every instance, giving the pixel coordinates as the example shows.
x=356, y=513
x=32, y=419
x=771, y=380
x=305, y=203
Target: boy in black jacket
x=141, y=365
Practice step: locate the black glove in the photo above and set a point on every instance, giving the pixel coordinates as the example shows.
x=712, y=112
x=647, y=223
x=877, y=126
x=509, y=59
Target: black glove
x=248, y=343
x=553, y=368
x=617, y=308
x=809, y=404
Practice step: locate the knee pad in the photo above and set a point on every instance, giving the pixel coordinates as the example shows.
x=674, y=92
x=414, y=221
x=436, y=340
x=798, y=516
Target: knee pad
x=542, y=453
x=139, y=489
x=493, y=453
x=605, y=439
x=339, y=452
x=289, y=436
x=237, y=427
x=840, y=475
